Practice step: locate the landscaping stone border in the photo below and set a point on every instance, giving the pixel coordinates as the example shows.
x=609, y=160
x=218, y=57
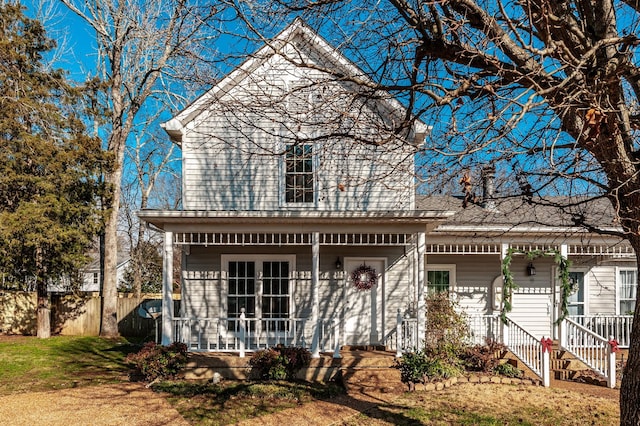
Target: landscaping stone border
x=473, y=379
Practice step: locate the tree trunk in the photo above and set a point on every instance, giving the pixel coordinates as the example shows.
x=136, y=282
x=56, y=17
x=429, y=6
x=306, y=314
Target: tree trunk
x=630, y=387
x=109, y=324
x=43, y=310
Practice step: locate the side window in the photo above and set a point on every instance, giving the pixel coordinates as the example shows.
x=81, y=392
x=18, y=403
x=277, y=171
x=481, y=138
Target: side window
x=575, y=301
x=627, y=285
x=299, y=174
x=440, y=278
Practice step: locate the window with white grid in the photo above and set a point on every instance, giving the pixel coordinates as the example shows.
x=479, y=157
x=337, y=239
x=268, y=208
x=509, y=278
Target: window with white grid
x=627, y=287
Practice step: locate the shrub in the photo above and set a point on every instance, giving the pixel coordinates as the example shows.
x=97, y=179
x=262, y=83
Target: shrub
x=508, y=370
x=447, y=329
x=279, y=363
x=159, y=362
x=483, y=357
x=412, y=367
x=420, y=367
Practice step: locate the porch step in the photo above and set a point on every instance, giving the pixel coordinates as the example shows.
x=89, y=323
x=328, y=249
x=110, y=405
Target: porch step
x=565, y=366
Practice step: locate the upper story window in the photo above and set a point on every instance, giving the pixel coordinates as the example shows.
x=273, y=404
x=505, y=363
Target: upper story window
x=627, y=285
x=299, y=174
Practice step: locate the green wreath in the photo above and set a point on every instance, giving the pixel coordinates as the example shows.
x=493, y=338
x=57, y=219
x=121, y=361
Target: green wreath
x=510, y=285
x=364, y=277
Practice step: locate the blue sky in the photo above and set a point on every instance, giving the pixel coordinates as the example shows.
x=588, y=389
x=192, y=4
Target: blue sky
x=76, y=45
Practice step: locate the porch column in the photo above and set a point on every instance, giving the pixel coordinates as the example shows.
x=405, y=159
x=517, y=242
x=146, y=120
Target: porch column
x=504, y=248
x=167, y=289
x=555, y=331
x=421, y=315
x=315, y=294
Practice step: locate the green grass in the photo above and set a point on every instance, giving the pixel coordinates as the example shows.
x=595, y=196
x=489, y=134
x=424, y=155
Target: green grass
x=32, y=364
x=230, y=402
x=493, y=405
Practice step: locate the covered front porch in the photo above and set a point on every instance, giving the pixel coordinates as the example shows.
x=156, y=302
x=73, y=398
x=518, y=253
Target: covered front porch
x=262, y=279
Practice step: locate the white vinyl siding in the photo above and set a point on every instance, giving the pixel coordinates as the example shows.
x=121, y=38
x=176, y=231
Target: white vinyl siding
x=602, y=290
x=233, y=151
x=473, y=277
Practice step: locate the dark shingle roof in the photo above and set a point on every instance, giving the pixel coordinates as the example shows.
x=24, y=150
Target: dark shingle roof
x=551, y=212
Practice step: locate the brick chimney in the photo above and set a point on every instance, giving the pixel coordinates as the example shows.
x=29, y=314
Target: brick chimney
x=488, y=187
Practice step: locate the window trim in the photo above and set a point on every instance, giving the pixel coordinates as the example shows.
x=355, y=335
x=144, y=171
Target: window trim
x=258, y=259
x=449, y=267
x=585, y=301
x=617, y=284
x=282, y=196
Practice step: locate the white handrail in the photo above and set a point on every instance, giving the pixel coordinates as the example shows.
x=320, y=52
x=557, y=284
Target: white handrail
x=532, y=352
x=403, y=337
x=618, y=326
x=595, y=351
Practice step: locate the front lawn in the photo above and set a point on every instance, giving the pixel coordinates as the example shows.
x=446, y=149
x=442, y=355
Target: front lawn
x=493, y=405
x=230, y=402
x=32, y=364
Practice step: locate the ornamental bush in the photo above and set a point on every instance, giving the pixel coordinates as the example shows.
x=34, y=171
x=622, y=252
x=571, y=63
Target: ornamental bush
x=483, y=357
x=508, y=370
x=279, y=363
x=420, y=367
x=159, y=362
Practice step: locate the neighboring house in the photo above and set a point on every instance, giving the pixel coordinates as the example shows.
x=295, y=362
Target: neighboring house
x=91, y=276
x=295, y=233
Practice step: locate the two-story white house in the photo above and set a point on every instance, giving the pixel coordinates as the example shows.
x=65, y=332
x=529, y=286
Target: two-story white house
x=301, y=224
x=295, y=183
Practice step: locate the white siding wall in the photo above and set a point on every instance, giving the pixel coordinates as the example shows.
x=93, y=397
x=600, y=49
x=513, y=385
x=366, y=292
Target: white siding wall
x=232, y=154
x=474, y=275
x=532, y=301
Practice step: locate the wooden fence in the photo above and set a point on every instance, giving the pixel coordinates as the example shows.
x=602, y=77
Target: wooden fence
x=75, y=314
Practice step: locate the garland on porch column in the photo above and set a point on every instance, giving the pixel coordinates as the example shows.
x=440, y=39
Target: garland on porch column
x=509, y=284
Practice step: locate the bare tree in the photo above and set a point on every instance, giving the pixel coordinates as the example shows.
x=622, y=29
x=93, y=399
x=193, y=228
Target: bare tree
x=547, y=91
x=150, y=160
x=143, y=47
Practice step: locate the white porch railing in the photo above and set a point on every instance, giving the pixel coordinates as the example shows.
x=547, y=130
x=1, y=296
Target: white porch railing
x=617, y=326
x=403, y=337
x=243, y=334
x=532, y=352
x=483, y=327
x=590, y=348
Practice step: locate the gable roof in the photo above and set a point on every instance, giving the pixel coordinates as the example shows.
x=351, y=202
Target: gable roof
x=276, y=46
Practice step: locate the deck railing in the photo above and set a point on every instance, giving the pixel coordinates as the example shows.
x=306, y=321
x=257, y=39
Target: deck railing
x=597, y=352
x=532, y=352
x=616, y=326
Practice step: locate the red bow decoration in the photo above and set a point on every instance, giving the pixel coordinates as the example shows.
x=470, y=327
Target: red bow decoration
x=614, y=345
x=546, y=344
